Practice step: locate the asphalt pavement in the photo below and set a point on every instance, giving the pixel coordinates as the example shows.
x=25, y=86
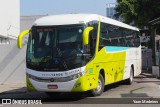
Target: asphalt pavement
x=144, y=87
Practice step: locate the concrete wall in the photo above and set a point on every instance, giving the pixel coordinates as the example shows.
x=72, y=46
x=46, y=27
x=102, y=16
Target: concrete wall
x=12, y=64
x=12, y=59
x=9, y=18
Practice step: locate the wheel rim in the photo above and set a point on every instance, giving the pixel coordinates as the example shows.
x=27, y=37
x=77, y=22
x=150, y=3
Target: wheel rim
x=98, y=89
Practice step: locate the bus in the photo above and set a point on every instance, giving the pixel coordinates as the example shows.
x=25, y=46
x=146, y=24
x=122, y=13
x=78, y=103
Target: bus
x=80, y=52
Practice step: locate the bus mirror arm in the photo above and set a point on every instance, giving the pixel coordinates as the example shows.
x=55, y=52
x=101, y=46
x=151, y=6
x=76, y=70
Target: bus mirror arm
x=20, y=38
x=86, y=35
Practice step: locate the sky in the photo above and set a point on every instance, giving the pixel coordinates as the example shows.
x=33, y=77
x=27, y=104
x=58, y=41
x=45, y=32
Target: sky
x=51, y=7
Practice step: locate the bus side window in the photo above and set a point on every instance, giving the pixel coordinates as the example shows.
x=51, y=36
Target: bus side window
x=103, y=35
x=93, y=36
x=108, y=42
x=115, y=42
x=122, y=42
x=101, y=44
x=91, y=43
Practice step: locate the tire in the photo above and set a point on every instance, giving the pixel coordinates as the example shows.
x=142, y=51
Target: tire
x=53, y=94
x=130, y=80
x=99, y=90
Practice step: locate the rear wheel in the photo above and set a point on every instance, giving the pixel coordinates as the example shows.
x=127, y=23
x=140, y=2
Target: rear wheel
x=53, y=94
x=130, y=80
x=99, y=90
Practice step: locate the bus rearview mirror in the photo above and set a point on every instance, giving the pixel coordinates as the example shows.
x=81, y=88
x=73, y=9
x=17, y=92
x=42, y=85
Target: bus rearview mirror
x=86, y=35
x=20, y=38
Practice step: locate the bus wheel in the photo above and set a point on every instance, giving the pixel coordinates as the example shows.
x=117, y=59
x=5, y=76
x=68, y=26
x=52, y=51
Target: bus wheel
x=130, y=80
x=99, y=90
x=53, y=94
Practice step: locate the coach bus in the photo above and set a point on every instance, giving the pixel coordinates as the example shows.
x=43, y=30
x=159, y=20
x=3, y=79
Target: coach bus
x=80, y=52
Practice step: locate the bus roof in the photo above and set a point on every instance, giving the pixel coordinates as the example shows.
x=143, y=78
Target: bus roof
x=69, y=19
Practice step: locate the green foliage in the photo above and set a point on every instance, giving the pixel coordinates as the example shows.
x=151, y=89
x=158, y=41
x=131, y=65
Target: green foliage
x=139, y=12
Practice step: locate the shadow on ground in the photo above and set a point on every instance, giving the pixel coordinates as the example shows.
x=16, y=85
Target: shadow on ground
x=131, y=94
x=71, y=97
x=22, y=93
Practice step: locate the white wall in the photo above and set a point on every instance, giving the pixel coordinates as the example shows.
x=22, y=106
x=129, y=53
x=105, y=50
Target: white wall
x=12, y=60
x=12, y=64
x=9, y=18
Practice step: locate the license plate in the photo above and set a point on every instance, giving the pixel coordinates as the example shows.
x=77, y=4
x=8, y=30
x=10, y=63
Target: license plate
x=52, y=86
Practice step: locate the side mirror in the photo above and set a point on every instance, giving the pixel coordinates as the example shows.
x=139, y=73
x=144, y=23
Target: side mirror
x=20, y=38
x=86, y=35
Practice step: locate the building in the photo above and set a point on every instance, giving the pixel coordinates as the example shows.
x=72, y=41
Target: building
x=11, y=58
x=155, y=34
x=110, y=11
x=9, y=20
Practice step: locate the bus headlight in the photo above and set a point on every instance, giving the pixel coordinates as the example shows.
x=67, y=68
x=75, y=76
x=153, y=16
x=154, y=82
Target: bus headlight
x=72, y=77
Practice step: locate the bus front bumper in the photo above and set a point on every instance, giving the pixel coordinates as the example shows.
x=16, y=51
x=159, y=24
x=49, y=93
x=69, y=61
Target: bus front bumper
x=76, y=85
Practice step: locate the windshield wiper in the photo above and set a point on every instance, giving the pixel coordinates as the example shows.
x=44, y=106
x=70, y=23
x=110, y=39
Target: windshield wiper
x=63, y=61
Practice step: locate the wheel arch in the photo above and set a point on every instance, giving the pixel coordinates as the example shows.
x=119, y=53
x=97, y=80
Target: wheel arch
x=132, y=66
x=102, y=72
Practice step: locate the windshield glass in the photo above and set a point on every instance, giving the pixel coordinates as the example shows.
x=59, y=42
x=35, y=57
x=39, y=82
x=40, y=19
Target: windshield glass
x=55, y=48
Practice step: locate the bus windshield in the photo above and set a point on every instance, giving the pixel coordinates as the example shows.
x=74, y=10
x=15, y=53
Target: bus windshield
x=55, y=48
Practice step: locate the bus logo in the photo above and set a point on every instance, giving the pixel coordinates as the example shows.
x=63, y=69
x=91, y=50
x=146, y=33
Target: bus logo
x=52, y=79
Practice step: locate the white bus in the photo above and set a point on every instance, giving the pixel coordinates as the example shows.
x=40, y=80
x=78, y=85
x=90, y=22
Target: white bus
x=80, y=52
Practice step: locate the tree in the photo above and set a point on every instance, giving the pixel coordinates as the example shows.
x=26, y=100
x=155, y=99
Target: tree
x=138, y=12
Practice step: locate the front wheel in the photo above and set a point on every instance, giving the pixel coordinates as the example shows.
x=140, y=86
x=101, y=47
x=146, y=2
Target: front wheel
x=99, y=90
